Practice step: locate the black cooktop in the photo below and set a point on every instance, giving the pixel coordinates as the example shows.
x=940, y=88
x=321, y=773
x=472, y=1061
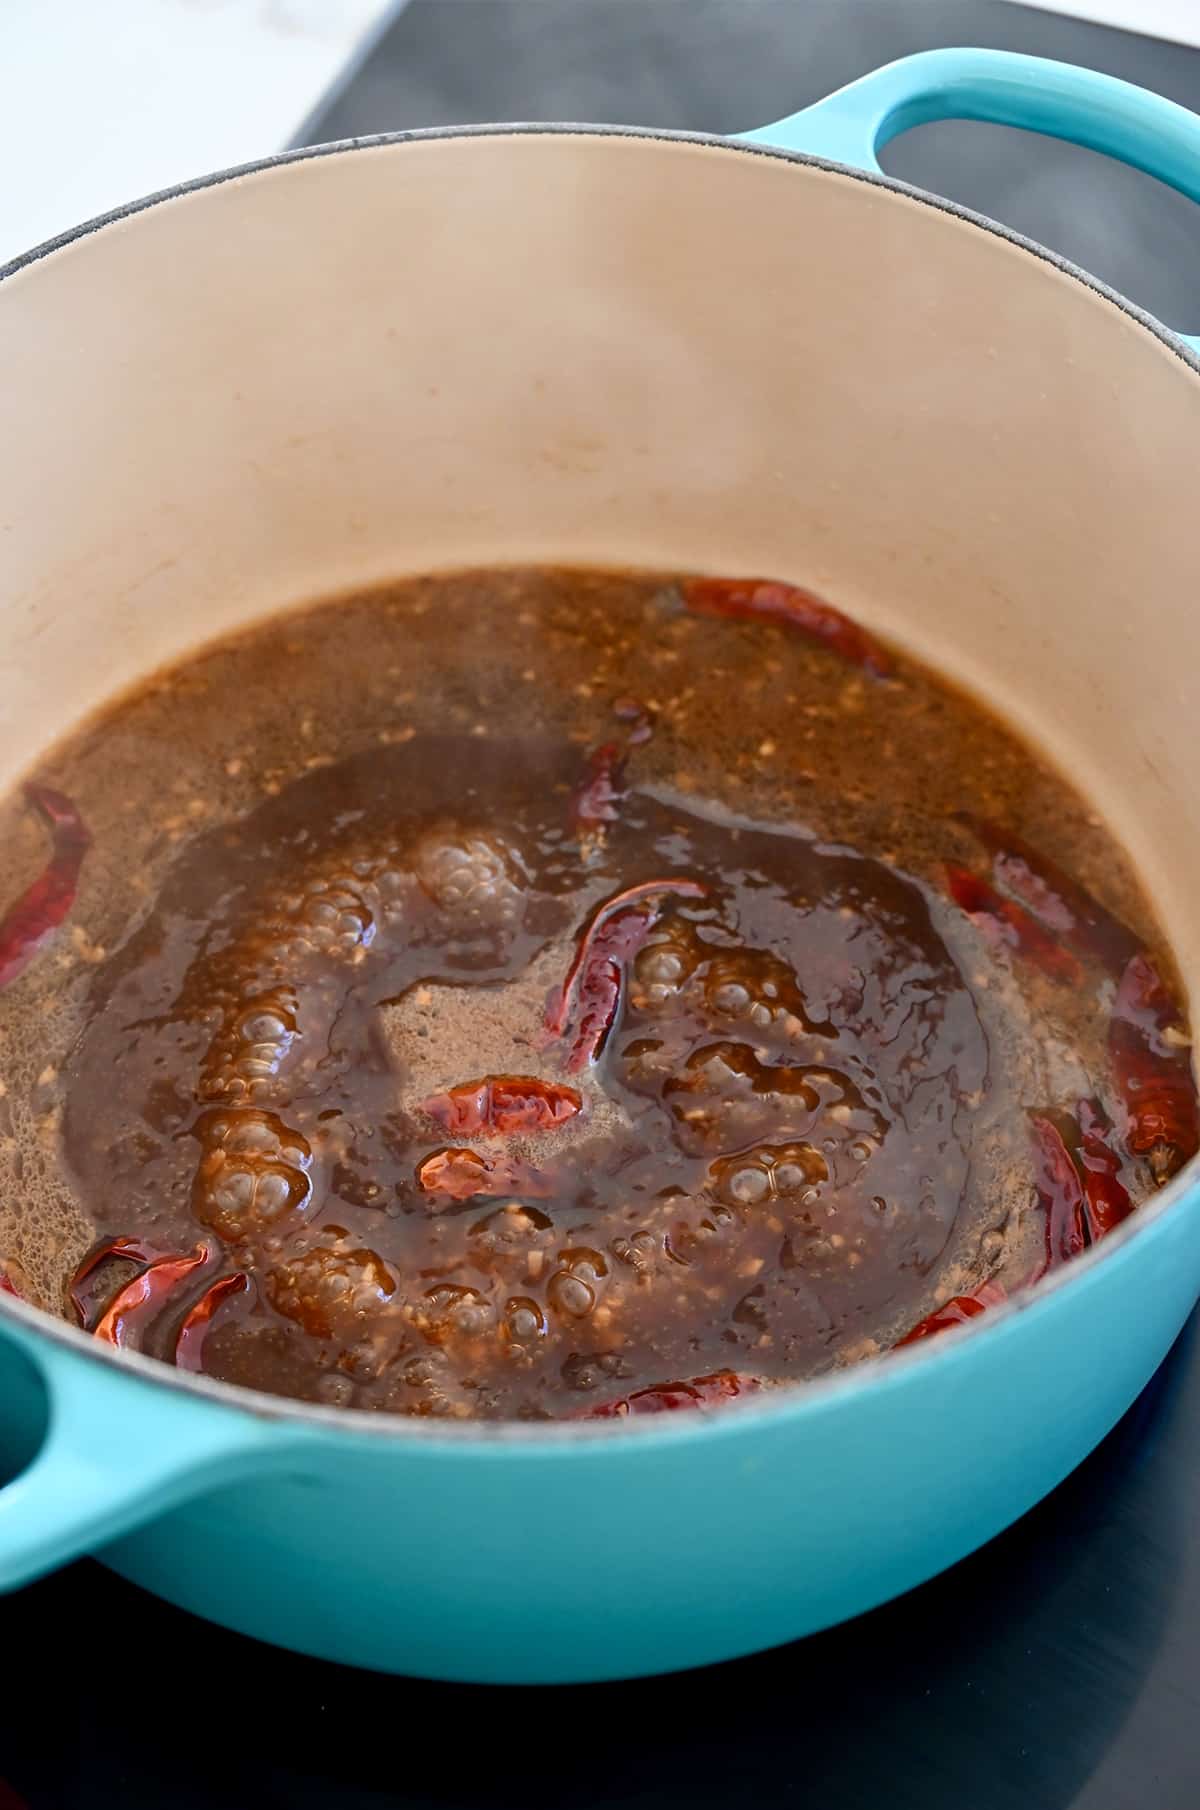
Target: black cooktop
x=1059, y=1667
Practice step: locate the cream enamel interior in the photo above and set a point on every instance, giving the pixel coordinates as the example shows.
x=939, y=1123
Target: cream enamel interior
x=600, y=347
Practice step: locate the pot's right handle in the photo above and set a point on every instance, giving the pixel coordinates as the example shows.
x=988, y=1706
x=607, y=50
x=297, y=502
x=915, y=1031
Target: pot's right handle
x=120, y=1449
x=1005, y=89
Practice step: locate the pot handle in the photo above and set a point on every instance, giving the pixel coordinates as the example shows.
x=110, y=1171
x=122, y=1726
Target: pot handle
x=1098, y=111
x=119, y=1450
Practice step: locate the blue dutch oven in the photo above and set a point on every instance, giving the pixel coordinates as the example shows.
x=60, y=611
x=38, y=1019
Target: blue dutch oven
x=589, y=343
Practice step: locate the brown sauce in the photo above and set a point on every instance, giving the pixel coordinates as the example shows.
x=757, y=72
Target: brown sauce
x=506, y=993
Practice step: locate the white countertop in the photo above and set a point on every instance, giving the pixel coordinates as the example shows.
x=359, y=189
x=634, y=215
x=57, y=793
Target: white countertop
x=105, y=100
x=1178, y=21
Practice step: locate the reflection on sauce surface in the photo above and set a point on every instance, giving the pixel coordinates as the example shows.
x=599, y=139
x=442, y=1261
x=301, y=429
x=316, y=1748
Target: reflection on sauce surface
x=552, y=993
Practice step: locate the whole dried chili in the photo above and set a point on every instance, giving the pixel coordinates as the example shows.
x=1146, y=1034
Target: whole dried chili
x=41, y=909
x=1088, y=1136
x=1060, y=1194
x=189, y=1343
x=1149, y=1044
x=503, y=1104
x=7, y=1286
x=596, y=800
x=134, y=1306
x=957, y=1312
x=462, y=1174
x=1010, y=923
x=767, y=599
x=1055, y=897
x=459, y=1174
x=1080, y=1193
x=659, y=1398
x=591, y=992
x=131, y=1249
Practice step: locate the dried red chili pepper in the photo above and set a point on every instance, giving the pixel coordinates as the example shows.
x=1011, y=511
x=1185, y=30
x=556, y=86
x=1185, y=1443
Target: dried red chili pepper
x=132, y=1249
x=133, y=1306
x=1149, y=1046
x=6, y=1285
x=596, y=800
x=40, y=910
x=765, y=598
x=189, y=1344
x=1105, y=1200
x=956, y=1312
x=591, y=991
x=599, y=989
x=1077, y=1176
x=1011, y=924
x=1055, y=897
x=462, y=1174
x=503, y=1104
x=459, y=1174
x=700, y=1392
x=1060, y=1194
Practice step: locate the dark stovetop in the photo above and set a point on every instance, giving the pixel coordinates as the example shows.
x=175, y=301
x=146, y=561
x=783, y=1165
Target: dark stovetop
x=1060, y=1666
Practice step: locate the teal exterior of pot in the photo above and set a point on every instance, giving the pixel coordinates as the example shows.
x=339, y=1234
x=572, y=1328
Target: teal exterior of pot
x=553, y=1555
x=566, y=1555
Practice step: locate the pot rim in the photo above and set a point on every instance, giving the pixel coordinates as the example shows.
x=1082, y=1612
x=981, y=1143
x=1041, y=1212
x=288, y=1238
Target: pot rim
x=791, y=1401
x=372, y=141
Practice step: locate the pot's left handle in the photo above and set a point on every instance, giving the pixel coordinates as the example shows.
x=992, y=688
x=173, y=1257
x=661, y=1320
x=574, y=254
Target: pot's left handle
x=1005, y=89
x=119, y=1450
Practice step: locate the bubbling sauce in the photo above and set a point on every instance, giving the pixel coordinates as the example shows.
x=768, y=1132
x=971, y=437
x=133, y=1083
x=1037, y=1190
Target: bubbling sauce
x=538, y=993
